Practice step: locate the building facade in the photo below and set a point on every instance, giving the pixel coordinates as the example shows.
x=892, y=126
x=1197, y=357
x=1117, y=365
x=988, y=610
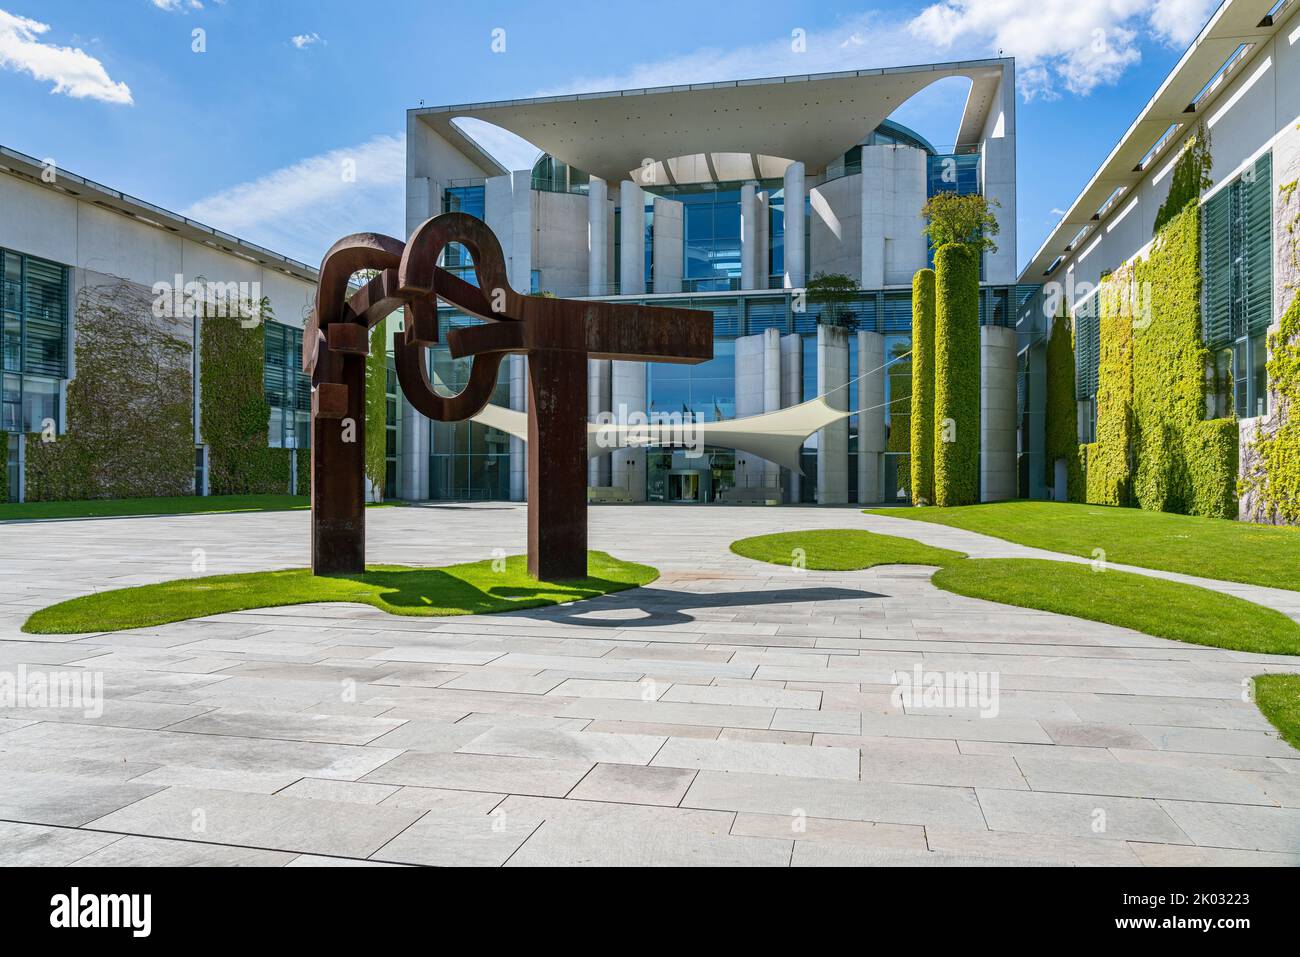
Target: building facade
x=729, y=197
x=1235, y=95
x=102, y=361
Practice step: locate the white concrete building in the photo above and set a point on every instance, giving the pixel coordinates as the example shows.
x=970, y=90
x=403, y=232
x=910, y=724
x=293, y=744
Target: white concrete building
x=730, y=197
x=1240, y=78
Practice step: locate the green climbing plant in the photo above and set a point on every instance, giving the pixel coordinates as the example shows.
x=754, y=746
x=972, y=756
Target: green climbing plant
x=1061, y=412
x=957, y=375
x=1190, y=179
x=922, y=419
x=377, y=411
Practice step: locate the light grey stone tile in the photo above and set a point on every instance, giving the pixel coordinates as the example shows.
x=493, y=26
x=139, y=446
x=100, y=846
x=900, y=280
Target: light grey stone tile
x=319, y=728
x=661, y=712
x=135, y=851
x=34, y=845
x=757, y=697
x=482, y=772
x=599, y=688
x=449, y=802
x=327, y=789
x=422, y=734
x=702, y=731
x=486, y=840
x=584, y=746
x=1129, y=779
x=225, y=779
x=560, y=844
x=844, y=800
x=63, y=800
x=820, y=722
x=1222, y=742
x=778, y=759
x=262, y=821
x=766, y=737
x=634, y=784
x=1183, y=855
x=948, y=770
x=857, y=833
x=1041, y=848
x=1079, y=815
x=316, y=860
x=1234, y=825
x=820, y=854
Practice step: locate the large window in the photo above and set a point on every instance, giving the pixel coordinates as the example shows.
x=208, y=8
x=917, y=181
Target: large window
x=34, y=334
x=706, y=391
x=711, y=237
x=468, y=461
x=462, y=199
x=288, y=388
x=1237, y=264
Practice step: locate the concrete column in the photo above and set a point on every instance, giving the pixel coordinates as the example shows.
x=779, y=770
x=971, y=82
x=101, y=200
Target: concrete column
x=631, y=240
x=871, y=417
x=520, y=270
x=597, y=225
x=517, y=369
x=499, y=214
x=628, y=395
x=874, y=180
x=796, y=195
x=748, y=236
x=998, y=177
x=771, y=394
x=791, y=394
x=668, y=250
x=762, y=239
x=833, y=441
x=598, y=401
x=905, y=195
x=413, y=477
x=750, y=388
x=997, y=414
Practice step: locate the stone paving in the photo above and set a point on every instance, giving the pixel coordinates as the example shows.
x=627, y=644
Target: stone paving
x=731, y=713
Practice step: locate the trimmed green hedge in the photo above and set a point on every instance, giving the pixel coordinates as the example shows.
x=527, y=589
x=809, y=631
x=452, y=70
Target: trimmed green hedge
x=129, y=427
x=900, y=420
x=1062, y=411
x=233, y=409
x=922, y=439
x=956, y=375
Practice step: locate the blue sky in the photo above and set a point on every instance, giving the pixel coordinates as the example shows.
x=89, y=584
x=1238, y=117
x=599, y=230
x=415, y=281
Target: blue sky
x=249, y=134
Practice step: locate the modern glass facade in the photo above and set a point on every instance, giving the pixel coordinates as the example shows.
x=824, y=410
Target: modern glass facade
x=468, y=461
x=464, y=198
x=34, y=306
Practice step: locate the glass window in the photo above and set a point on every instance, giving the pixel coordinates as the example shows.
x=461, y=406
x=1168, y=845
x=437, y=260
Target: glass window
x=33, y=338
x=40, y=403
x=287, y=387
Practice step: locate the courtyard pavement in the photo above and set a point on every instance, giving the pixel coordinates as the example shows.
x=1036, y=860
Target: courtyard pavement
x=731, y=713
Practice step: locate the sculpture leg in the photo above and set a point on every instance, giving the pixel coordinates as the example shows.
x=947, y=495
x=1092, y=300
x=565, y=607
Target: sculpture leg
x=557, y=465
x=338, y=452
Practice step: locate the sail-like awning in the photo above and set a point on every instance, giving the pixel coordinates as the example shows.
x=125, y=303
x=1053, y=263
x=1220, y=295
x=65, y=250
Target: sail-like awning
x=775, y=436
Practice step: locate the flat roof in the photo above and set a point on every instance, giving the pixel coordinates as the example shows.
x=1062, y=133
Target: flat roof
x=29, y=169
x=813, y=119
x=1235, y=23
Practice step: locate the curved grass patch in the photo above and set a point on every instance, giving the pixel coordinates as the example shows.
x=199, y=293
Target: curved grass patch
x=1206, y=547
x=1155, y=606
x=469, y=589
x=841, y=550
x=1278, y=697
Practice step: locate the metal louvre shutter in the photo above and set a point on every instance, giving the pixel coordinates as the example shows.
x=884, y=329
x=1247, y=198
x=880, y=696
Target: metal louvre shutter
x=1087, y=354
x=45, y=319
x=898, y=313
x=1216, y=268
x=726, y=316
x=1257, y=298
x=761, y=314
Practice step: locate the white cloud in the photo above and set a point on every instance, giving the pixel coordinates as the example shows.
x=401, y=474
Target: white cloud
x=73, y=72
x=172, y=6
x=304, y=40
x=300, y=210
x=1077, y=44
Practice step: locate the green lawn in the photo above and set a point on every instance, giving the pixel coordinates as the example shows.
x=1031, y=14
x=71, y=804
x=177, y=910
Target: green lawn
x=469, y=589
x=169, y=505
x=841, y=549
x=1151, y=605
x=1208, y=547
x=1278, y=697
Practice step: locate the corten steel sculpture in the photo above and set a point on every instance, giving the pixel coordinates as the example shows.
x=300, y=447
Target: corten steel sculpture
x=557, y=336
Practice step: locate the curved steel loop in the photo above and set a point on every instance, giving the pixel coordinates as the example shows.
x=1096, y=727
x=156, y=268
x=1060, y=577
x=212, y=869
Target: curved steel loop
x=419, y=274
x=414, y=380
x=344, y=258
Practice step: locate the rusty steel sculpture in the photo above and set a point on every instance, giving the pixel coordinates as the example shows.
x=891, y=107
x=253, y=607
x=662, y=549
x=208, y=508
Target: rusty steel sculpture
x=556, y=335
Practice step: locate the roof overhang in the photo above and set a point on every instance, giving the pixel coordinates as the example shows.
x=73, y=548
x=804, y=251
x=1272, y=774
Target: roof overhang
x=812, y=119
x=33, y=171
x=1236, y=22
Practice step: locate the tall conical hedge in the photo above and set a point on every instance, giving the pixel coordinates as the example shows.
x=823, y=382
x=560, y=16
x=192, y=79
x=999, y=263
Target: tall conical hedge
x=957, y=375
x=923, y=387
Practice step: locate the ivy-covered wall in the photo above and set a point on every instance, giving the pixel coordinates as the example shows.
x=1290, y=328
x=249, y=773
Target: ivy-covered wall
x=1271, y=474
x=956, y=375
x=1061, y=416
x=233, y=409
x=129, y=430
x=376, y=411
x=1154, y=446
x=922, y=423
x=1109, y=478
